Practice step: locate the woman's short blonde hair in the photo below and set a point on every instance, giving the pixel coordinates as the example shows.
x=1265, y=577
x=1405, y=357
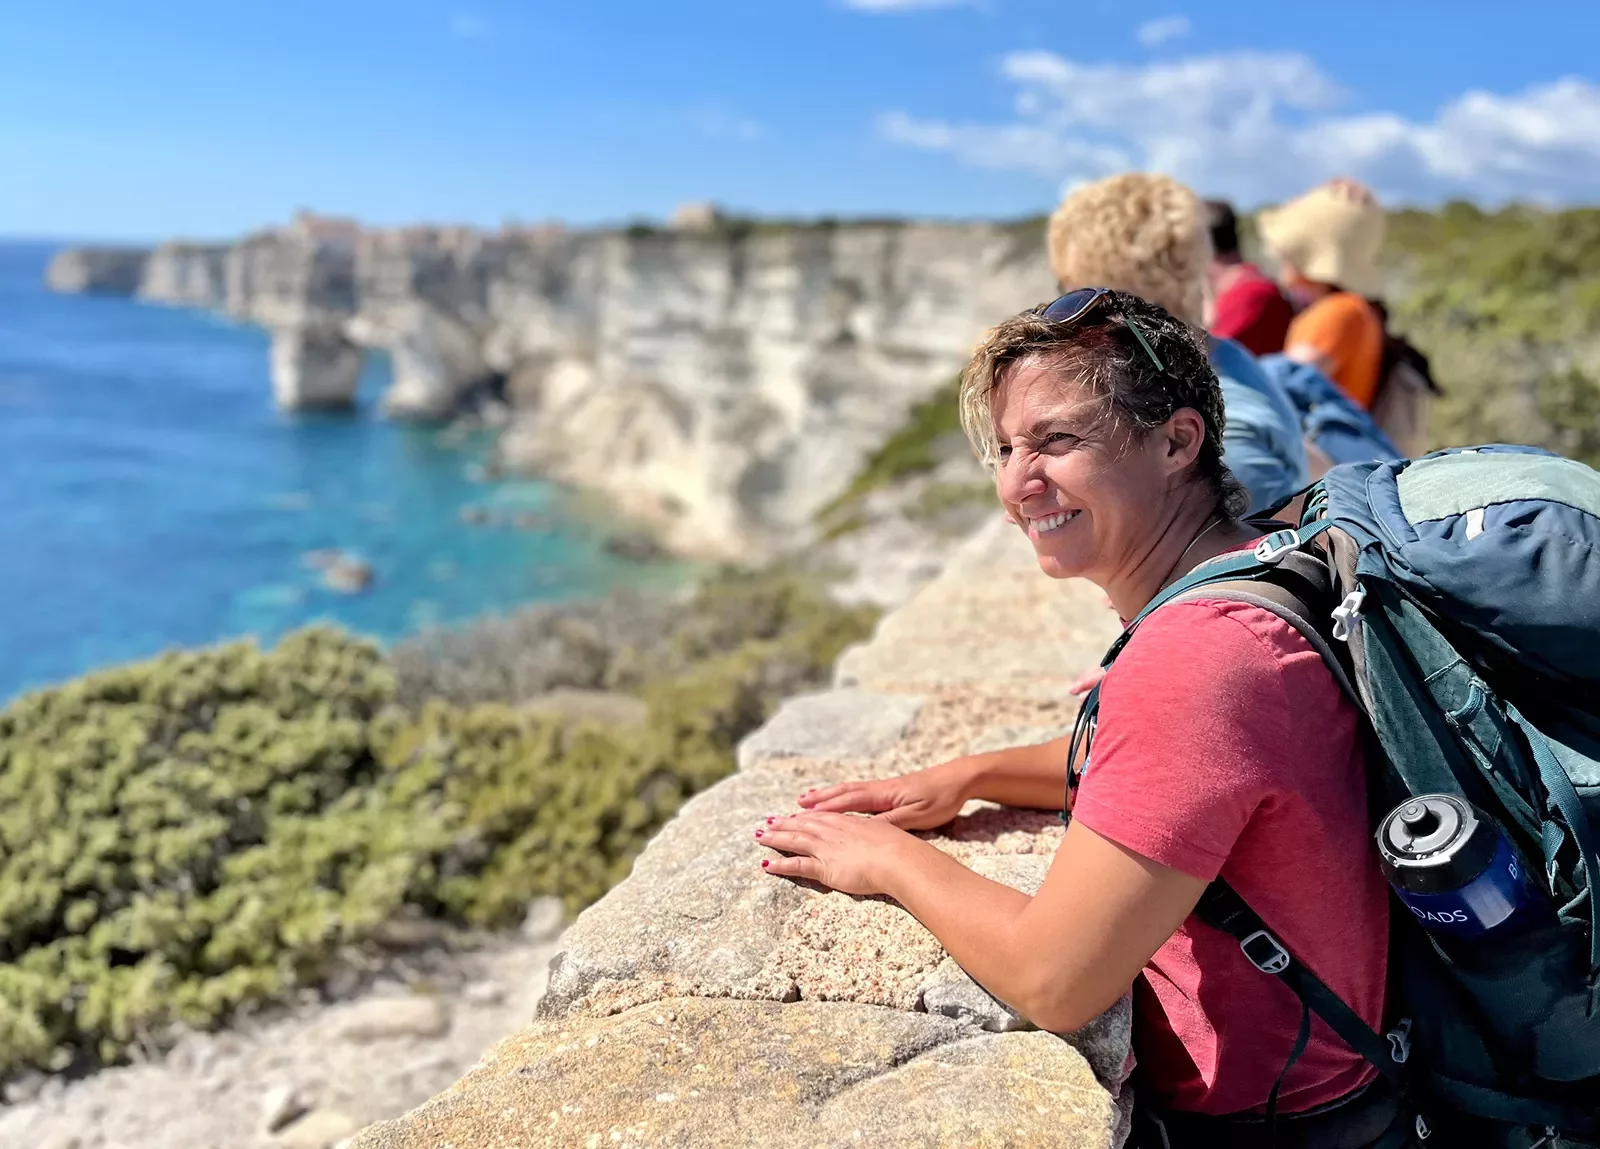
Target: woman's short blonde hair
x=1140, y=233
x=1100, y=355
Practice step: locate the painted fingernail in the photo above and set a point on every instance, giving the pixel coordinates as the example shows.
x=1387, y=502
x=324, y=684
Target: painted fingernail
x=770, y=821
x=760, y=832
x=765, y=862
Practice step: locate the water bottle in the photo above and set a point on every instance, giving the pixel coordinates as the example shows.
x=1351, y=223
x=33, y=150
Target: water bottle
x=1454, y=869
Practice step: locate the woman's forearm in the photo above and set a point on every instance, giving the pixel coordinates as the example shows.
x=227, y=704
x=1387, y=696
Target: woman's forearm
x=974, y=918
x=1034, y=777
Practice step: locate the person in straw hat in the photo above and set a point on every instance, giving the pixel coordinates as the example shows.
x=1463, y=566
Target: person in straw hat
x=1326, y=243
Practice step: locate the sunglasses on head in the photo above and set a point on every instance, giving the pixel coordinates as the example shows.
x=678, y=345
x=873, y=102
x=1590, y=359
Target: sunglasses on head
x=1074, y=305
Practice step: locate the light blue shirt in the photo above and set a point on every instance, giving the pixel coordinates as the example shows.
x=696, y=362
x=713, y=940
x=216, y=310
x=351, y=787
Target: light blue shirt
x=1261, y=442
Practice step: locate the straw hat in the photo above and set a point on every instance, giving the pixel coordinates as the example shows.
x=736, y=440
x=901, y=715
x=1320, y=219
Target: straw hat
x=1331, y=234
x=1140, y=233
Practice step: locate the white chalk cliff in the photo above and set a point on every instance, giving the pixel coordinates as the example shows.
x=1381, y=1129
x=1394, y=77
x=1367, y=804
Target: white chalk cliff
x=721, y=384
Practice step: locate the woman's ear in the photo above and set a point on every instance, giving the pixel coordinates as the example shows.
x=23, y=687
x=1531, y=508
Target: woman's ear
x=1182, y=437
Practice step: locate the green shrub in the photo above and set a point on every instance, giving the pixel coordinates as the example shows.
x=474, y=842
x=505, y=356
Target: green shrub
x=1507, y=305
x=621, y=642
x=161, y=853
x=204, y=833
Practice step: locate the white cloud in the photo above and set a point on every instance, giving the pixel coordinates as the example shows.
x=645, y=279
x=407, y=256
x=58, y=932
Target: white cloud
x=1261, y=126
x=903, y=5
x=1154, y=32
x=469, y=26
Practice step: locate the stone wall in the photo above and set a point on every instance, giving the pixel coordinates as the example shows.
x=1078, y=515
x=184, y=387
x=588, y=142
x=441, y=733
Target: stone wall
x=705, y=1003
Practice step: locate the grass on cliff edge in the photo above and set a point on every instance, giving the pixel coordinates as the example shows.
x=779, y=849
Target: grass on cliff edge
x=911, y=450
x=206, y=832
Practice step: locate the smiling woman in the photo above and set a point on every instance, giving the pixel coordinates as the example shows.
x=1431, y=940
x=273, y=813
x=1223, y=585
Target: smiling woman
x=1103, y=423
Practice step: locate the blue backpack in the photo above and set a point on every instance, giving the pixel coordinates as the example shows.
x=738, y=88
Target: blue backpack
x=1456, y=598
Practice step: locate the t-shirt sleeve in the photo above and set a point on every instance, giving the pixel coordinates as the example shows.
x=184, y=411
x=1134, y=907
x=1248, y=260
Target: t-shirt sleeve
x=1339, y=328
x=1193, y=728
x=1254, y=312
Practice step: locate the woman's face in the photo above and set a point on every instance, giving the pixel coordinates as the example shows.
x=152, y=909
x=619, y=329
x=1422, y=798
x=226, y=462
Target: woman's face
x=1089, y=494
x=1296, y=286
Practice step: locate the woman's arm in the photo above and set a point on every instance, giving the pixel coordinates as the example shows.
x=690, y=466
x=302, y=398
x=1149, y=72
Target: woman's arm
x=1059, y=958
x=1030, y=776
x=1064, y=956
x=1034, y=777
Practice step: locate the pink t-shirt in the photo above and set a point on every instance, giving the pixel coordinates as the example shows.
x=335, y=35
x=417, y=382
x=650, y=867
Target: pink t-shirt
x=1225, y=746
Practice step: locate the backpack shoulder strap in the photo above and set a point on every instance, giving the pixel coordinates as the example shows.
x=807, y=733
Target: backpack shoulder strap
x=1222, y=908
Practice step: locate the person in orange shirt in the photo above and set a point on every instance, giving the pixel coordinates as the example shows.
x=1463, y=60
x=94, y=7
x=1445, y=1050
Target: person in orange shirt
x=1326, y=243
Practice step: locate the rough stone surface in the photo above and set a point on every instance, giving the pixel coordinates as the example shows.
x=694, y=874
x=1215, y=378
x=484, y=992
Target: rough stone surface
x=386, y=1018
x=714, y=1073
x=950, y=992
x=437, y=358
x=839, y=725
x=1004, y=736
x=952, y=634
x=186, y=274
x=107, y=270
x=705, y=1002
x=323, y=1129
x=282, y=1105
x=219, y=1090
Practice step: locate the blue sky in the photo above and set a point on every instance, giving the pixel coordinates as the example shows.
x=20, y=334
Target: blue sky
x=137, y=121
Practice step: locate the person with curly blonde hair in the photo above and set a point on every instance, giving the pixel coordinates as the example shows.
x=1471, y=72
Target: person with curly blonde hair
x=1149, y=235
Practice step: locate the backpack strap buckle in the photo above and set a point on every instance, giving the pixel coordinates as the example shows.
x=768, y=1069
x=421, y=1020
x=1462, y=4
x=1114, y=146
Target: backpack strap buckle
x=1271, y=549
x=1348, y=613
x=1265, y=952
x=1400, y=1041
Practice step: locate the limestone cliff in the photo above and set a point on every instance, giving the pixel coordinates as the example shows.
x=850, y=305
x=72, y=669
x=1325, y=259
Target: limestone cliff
x=97, y=271
x=186, y=274
x=703, y=1002
x=726, y=387
x=722, y=383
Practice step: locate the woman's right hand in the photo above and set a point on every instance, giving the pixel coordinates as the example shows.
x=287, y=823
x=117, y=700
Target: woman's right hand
x=921, y=800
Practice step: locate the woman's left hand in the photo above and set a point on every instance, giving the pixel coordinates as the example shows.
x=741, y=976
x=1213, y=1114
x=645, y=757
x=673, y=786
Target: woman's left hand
x=845, y=852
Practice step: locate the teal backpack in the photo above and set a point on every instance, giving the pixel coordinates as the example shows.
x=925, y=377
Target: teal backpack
x=1456, y=599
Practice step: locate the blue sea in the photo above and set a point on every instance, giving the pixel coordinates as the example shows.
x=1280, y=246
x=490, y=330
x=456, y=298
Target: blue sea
x=151, y=496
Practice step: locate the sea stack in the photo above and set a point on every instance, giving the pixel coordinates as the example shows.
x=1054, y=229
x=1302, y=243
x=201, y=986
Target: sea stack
x=314, y=366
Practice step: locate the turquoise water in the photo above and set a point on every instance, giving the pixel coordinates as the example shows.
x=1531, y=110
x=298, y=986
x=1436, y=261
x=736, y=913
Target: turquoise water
x=151, y=496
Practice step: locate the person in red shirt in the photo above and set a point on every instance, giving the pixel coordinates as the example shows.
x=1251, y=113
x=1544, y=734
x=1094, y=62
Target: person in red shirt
x=1224, y=747
x=1247, y=306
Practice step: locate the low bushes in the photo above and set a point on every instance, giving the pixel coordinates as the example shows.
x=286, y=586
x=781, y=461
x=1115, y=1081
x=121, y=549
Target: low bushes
x=205, y=832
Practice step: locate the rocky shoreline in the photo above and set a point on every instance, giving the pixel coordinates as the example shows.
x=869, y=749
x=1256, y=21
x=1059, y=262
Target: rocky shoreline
x=736, y=377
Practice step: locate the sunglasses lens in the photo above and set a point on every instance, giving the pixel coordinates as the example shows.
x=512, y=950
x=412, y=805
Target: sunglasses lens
x=1073, y=304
